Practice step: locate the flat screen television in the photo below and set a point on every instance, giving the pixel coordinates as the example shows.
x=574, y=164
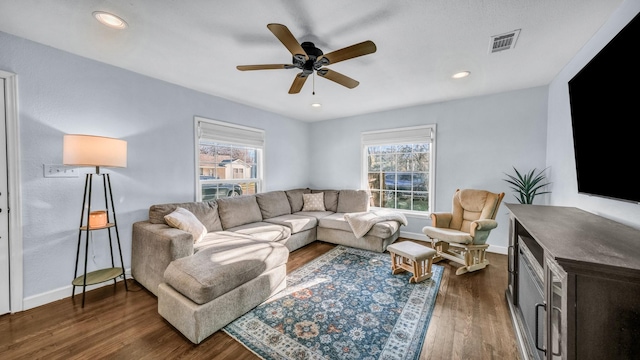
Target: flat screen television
x=605, y=115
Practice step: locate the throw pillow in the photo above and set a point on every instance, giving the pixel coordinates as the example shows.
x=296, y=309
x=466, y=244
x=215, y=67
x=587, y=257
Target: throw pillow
x=184, y=219
x=313, y=202
x=330, y=199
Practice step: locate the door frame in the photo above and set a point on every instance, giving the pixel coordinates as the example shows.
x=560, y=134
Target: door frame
x=15, y=192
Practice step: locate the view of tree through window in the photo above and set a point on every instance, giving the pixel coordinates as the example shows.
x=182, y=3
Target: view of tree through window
x=227, y=170
x=398, y=176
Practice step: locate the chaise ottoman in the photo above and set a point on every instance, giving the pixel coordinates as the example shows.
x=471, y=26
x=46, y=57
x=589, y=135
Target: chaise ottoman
x=204, y=292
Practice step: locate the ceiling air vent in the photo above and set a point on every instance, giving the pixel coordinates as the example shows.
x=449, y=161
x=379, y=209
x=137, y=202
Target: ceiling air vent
x=504, y=41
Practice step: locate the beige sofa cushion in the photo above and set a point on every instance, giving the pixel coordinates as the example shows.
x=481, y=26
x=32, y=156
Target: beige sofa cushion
x=295, y=198
x=330, y=199
x=353, y=201
x=206, y=212
x=296, y=223
x=316, y=214
x=217, y=238
x=239, y=210
x=263, y=231
x=273, y=203
x=209, y=274
x=337, y=221
x=449, y=235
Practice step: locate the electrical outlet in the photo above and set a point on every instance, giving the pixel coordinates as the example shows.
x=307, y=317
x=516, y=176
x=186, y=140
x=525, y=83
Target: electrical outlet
x=60, y=171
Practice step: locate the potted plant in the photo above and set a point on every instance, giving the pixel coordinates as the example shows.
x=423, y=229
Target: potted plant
x=527, y=185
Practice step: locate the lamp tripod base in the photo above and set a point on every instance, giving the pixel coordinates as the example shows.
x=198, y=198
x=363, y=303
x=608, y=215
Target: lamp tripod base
x=106, y=274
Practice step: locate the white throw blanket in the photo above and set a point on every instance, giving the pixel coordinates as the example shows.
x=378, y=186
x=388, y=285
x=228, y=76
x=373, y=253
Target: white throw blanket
x=362, y=222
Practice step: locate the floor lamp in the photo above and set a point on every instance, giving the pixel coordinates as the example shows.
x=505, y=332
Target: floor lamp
x=96, y=151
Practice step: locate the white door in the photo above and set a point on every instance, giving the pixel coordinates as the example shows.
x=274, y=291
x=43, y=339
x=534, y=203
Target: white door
x=5, y=296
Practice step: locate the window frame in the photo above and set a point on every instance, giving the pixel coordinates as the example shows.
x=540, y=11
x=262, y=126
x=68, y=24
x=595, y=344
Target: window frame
x=398, y=136
x=256, y=140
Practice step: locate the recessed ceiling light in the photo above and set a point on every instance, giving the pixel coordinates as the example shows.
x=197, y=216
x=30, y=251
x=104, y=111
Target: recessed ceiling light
x=461, y=74
x=316, y=105
x=110, y=20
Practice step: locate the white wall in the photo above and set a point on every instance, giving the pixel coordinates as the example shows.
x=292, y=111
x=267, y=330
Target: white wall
x=560, y=155
x=478, y=140
x=61, y=93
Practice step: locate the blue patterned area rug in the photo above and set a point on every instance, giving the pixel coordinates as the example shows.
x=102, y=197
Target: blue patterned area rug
x=345, y=304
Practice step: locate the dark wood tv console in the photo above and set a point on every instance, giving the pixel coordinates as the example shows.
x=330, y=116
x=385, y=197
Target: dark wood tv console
x=574, y=284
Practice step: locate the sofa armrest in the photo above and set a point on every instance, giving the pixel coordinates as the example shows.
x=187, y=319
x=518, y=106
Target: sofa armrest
x=153, y=248
x=441, y=220
x=480, y=230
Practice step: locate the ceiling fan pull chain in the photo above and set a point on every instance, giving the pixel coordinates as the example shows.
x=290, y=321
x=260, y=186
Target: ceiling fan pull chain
x=314, y=84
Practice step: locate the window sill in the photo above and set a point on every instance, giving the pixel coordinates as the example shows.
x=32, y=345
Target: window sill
x=408, y=213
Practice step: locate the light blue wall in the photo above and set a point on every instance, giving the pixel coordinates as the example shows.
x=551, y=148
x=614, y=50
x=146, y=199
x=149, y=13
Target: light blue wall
x=478, y=140
x=560, y=155
x=61, y=93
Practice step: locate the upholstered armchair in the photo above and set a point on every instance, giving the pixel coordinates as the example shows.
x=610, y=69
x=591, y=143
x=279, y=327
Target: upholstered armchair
x=461, y=235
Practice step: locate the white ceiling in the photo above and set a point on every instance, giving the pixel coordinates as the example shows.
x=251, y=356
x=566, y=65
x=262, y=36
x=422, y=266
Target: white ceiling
x=420, y=44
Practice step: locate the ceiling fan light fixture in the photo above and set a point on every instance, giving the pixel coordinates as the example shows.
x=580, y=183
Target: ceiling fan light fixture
x=310, y=60
x=461, y=74
x=110, y=20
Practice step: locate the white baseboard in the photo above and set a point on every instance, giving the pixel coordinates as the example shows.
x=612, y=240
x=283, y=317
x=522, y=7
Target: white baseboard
x=497, y=249
x=421, y=237
x=413, y=236
x=61, y=293
x=65, y=292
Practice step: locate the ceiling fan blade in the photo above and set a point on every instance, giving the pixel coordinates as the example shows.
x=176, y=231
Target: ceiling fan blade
x=338, y=78
x=287, y=39
x=350, y=52
x=263, y=67
x=297, y=83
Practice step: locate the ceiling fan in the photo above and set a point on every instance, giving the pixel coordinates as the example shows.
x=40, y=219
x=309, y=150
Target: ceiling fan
x=308, y=58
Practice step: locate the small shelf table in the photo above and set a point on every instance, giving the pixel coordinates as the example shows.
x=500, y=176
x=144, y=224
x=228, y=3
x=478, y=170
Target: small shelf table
x=98, y=276
x=106, y=274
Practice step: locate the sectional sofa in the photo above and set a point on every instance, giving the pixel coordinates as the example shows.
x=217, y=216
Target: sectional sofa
x=210, y=262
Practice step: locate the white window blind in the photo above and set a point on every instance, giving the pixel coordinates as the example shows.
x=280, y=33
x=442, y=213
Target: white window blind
x=230, y=134
x=409, y=135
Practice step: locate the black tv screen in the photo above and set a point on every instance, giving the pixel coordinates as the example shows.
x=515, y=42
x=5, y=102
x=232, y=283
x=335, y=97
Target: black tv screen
x=605, y=114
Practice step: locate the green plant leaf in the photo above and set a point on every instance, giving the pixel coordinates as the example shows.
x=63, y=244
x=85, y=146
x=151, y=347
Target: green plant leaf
x=527, y=185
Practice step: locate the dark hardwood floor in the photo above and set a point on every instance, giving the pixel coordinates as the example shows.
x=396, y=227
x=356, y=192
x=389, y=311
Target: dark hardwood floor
x=470, y=321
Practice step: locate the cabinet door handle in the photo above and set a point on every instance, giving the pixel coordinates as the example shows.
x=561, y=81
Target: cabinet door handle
x=558, y=311
x=537, y=341
x=510, y=259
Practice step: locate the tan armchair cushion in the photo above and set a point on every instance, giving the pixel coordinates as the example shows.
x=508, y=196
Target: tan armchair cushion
x=467, y=228
x=471, y=219
x=470, y=205
x=448, y=235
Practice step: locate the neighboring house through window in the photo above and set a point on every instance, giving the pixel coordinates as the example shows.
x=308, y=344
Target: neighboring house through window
x=398, y=168
x=229, y=159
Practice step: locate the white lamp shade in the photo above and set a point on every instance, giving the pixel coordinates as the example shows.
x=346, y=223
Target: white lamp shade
x=89, y=150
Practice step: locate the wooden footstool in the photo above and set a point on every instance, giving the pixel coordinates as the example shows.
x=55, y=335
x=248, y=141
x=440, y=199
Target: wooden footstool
x=412, y=257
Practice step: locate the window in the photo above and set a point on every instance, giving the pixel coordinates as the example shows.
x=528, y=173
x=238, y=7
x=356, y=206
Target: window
x=398, y=167
x=228, y=159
